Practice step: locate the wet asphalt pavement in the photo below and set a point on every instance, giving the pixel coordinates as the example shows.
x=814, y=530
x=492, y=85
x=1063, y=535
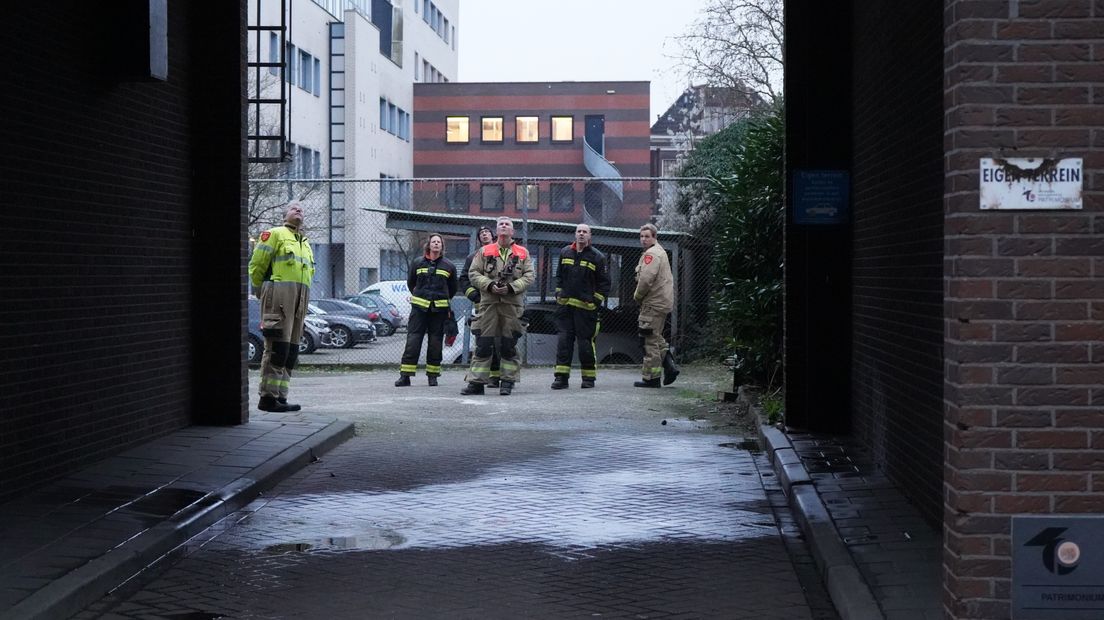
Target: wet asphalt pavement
x=616, y=502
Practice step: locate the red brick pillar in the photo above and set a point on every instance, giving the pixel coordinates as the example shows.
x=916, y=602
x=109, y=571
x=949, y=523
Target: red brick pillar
x=1024, y=297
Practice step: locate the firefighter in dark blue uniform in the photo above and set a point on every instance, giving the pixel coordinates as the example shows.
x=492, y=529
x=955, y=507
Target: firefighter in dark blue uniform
x=582, y=284
x=432, y=281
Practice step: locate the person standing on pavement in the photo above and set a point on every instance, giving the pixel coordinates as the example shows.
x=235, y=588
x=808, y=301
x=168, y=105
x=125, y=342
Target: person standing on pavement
x=501, y=272
x=281, y=268
x=432, y=282
x=655, y=292
x=582, y=284
x=485, y=236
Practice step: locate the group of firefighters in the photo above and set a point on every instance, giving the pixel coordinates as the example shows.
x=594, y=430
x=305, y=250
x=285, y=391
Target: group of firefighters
x=494, y=277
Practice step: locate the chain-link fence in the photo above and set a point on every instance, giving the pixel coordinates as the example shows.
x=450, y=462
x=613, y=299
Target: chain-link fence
x=365, y=233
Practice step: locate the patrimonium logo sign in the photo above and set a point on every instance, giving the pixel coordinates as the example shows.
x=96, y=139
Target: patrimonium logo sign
x=1058, y=567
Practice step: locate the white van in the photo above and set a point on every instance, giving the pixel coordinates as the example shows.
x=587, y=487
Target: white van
x=395, y=292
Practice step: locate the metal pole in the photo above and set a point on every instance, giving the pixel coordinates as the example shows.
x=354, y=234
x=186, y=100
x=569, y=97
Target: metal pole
x=525, y=217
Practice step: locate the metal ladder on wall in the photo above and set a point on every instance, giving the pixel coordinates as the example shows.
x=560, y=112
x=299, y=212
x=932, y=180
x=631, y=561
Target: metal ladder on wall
x=267, y=143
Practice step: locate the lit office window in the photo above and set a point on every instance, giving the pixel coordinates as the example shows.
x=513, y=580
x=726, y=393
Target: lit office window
x=526, y=129
x=492, y=129
x=528, y=197
x=456, y=129
x=563, y=129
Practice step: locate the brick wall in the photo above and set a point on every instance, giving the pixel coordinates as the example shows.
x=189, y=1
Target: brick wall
x=1024, y=427
x=100, y=238
x=897, y=276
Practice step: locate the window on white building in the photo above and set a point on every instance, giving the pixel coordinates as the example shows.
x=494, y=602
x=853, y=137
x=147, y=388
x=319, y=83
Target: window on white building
x=317, y=78
x=273, y=52
x=383, y=114
x=306, y=71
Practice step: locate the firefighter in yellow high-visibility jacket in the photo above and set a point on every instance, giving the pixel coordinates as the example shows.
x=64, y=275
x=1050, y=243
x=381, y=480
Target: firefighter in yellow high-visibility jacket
x=281, y=268
x=655, y=292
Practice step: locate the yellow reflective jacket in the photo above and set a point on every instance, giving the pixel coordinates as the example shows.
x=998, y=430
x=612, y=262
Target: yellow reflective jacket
x=281, y=255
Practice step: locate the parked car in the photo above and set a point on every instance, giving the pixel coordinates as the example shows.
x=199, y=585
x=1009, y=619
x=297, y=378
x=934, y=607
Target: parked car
x=613, y=346
x=538, y=346
x=346, y=331
x=389, y=319
x=315, y=334
x=393, y=292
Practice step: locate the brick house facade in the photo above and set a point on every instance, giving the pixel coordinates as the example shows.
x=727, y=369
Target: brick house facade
x=975, y=339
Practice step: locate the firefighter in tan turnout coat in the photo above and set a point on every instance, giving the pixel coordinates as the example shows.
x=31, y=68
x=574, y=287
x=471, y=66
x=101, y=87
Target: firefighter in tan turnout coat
x=655, y=292
x=281, y=268
x=501, y=271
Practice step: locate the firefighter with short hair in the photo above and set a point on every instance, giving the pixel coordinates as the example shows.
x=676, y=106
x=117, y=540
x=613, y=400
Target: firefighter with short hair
x=501, y=271
x=484, y=236
x=432, y=282
x=282, y=268
x=582, y=284
x=655, y=292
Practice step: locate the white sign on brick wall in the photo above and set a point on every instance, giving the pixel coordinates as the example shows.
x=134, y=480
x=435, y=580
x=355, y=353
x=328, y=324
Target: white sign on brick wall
x=1030, y=183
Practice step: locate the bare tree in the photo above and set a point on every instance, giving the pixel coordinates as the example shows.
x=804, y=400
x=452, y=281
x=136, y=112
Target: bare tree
x=267, y=198
x=736, y=44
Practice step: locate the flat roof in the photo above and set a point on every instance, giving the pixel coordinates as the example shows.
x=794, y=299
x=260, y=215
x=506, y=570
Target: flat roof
x=541, y=231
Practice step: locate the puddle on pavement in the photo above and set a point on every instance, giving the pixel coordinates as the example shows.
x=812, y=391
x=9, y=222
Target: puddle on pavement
x=371, y=540
x=588, y=493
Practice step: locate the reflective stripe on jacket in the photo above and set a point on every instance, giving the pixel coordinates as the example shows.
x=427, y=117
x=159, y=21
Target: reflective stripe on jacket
x=432, y=282
x=489, y=264
x=281, y=255
x=582, y=279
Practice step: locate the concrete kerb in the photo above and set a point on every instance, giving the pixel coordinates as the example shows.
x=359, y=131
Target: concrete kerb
x=79, y=588
x=849, y=591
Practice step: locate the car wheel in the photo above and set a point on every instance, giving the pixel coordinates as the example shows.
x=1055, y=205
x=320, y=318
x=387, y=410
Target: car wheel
x=341, y=337
x=255, y=349
x=385, y=328
x=307, y=344
x=617, y=358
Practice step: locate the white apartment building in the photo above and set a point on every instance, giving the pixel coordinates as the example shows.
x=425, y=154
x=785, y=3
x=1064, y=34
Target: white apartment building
x=351, y=67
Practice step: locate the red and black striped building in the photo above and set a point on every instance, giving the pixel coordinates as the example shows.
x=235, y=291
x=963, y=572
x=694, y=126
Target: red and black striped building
x=501, y=142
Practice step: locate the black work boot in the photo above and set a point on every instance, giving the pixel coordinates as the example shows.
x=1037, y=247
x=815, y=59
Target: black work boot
x=587, y=384
x=505, y=387
x=648, y=383
x=432, y=380
x=472, y=388
x=670, y=370
x=290, y=407
x=560, y=382
x=493, y=381
x=403, y=381
x=269, y=403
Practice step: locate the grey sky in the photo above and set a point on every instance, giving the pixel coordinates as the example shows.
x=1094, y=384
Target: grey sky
x=579, y=40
